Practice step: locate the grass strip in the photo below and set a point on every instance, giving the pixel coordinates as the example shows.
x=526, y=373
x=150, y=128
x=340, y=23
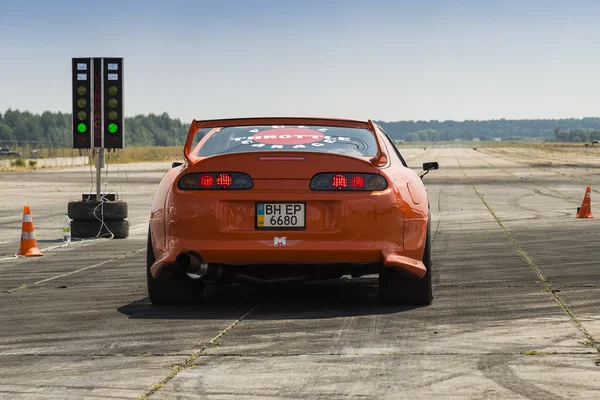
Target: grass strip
x=189, y=363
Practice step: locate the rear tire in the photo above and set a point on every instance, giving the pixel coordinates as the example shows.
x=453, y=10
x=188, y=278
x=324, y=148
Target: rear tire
x=395, y=288
x=178, y=290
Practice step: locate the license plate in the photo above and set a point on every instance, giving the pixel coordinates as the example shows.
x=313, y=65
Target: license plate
x=280, y=215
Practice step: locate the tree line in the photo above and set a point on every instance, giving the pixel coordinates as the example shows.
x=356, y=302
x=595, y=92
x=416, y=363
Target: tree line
x=54, y=128
x=412, y=131
x=161, y=130
x=576, y=135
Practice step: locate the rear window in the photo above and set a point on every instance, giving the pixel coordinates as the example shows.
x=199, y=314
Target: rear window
x=323, y=139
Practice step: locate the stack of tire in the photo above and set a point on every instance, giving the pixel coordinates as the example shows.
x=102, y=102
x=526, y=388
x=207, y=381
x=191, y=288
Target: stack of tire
x=98, y=219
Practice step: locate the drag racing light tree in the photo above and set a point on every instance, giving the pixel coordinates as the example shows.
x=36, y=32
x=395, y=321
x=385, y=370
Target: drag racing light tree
x=113, y=103
x=82, y=103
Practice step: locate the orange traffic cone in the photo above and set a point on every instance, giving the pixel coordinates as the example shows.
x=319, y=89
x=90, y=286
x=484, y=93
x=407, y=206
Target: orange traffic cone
x=28, y=242
x=585, y=211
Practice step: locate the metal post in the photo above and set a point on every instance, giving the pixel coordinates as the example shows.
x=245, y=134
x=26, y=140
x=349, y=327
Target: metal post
x=99, y=166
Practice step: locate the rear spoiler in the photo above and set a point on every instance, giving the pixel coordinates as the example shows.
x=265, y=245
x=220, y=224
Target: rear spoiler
x=379, y=159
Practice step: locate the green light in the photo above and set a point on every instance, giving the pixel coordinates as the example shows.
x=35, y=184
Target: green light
x=112, y=128
x=82, y=128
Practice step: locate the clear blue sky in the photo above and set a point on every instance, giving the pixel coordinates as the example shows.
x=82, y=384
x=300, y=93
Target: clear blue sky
x=381, y=59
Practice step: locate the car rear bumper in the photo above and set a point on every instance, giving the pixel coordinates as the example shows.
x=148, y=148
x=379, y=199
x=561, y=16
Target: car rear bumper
x=349, y=228
x=282, y=251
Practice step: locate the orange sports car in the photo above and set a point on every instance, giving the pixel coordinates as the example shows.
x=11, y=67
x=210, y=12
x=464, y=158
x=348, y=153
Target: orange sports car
x=264, y=201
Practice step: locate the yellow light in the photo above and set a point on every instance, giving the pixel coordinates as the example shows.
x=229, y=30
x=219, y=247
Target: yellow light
x=112, y=115
x=81, y=115
x=81, y=103
x=112, y=103
x=81, y=90
x=112, y=90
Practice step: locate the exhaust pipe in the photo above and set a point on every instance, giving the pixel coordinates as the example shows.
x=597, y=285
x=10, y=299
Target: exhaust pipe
x=194, y=266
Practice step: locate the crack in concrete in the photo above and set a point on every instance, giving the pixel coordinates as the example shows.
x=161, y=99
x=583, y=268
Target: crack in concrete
x=99, y=355
x=28, y=285
x=544, y=282
x=329, y=354
x=190, y=361
x=401, y=353
x=483, y=286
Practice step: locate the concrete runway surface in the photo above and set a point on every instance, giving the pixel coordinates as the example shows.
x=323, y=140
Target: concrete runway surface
x=517, y=286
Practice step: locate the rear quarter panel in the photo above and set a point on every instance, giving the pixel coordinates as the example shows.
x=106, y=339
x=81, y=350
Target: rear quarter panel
x=159, y=212
x=411, y=195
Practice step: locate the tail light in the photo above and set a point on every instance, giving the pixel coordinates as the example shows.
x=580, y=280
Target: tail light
x=224, y=181
x=347, y=182
x=215, y=181
x=339, y=181
x=206, y=181
x=358, y=181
